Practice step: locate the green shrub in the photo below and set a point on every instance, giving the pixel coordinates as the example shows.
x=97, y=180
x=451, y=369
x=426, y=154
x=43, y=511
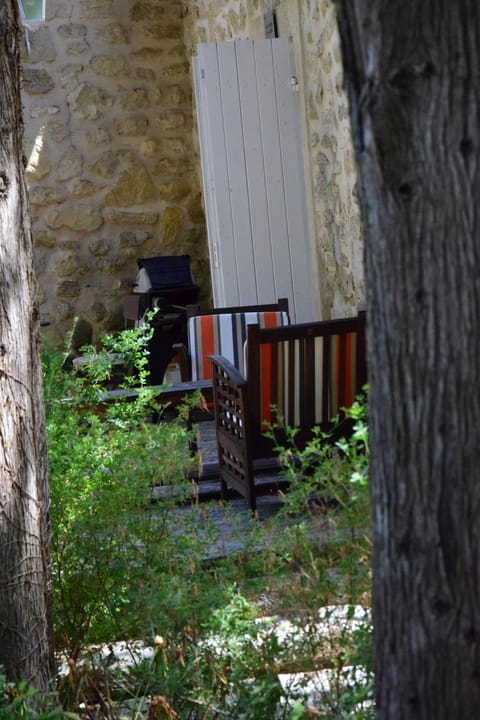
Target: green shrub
x=21, y=702
x=125, y=567
x=111, y=546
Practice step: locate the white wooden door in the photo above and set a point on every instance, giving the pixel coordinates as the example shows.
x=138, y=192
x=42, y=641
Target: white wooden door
x=253, y=177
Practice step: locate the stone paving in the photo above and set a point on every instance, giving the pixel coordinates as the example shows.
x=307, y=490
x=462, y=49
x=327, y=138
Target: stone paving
x=236, y=526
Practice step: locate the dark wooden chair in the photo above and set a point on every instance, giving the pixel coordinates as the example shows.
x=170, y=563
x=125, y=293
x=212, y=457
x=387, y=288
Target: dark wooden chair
x=302, y=374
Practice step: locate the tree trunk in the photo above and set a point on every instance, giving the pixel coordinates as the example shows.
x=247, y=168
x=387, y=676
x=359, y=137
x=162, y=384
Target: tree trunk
x=25, y=647
x=412, y=69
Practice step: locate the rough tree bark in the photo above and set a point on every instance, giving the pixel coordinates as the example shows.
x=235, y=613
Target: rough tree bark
x=25, y=647
x=412, y=69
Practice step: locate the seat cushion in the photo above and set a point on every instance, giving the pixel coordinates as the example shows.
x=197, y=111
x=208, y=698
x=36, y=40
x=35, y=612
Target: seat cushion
x=308, y=385
x=224, y=335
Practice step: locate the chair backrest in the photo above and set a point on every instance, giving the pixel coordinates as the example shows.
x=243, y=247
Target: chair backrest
x=308, y=372
x=224, y=332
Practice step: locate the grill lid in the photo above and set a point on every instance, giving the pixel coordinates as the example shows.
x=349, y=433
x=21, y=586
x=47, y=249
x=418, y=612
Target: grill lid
x=164, y=272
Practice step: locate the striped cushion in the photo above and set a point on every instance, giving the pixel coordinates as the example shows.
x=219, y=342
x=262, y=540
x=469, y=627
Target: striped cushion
x=224, y=335
x=308, y=389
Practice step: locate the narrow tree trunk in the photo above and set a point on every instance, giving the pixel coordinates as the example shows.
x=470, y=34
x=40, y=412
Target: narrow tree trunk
x=412, y=70
x=25, y=650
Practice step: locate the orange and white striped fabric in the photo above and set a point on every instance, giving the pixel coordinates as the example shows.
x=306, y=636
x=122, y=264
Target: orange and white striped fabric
x=224, y=335
x=325, y=383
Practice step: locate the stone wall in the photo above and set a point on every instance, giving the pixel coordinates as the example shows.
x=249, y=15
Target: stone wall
x=112, y=150
x=329, y=161
x=108, y=141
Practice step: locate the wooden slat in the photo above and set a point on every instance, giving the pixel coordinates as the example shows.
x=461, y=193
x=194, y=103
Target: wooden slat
x=278, y=242
x=294, y=184
x=250, y=96
x=342, y=370
x=216, y=185
x=245, y=269
x=292, y=369
x=308, y=390
x=361, y=374
x=253, y=380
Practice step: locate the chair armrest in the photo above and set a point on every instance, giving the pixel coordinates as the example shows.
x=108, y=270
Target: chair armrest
x=230, y=397
x=181, y=351
x=228, y=370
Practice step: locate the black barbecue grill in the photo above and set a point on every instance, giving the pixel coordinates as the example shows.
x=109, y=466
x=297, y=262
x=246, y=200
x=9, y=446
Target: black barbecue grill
x=165, y=283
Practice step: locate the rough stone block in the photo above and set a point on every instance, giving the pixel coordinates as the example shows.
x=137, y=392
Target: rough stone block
x=176, y=69
x=43, y=238
x=132, y=126
x=97, y=311
x=95, y=9
x=170, y=166
x=70, y=165
x=75, y=217
x=134, y=188
x=150, y=11
x=36, y=82
x=136, y=99
x=147, y=75
x=112, y=264
x=173, y=120
x=68, y=289
x=43, y=110
x=65, y=311
x=159, y=30
x=114, y=34
x=89, y=102
x=111, y=67
x=101, y=247
x=58, y=132
x=109, y=162
x=174, y=49
x=151, y=148
x=69, y=76
x=174, y=190
x=134, y=239
x=175, y=95
x=177, y=146
x=195, y=209
x=71, y=266
x=147, y=54
x=83, y=188
x=171, y=222
x=124, y=217
x=61, y=9
x=79, y=47
x=43, y=195
x=41, y=46
x=98, y=136
x=72, y=31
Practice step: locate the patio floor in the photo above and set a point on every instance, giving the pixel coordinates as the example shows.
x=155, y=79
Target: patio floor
x=237, y=528
x=205, y=481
